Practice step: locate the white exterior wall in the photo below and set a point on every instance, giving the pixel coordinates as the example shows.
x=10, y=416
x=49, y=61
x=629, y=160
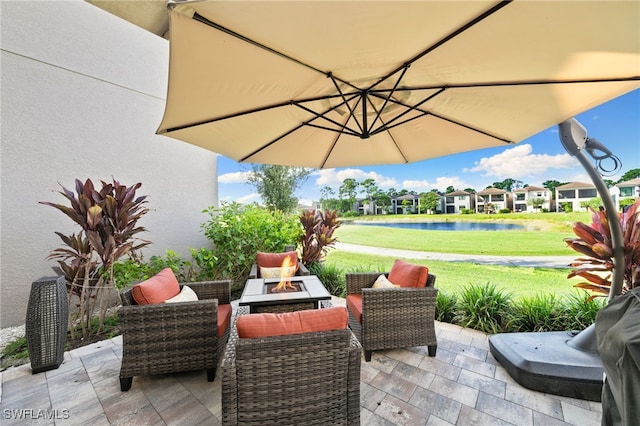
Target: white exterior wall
x=463, y=204
x=82, y=95
x=530, y=195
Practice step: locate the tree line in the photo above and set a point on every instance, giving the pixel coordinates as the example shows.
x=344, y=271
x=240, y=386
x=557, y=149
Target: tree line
x=277, y=185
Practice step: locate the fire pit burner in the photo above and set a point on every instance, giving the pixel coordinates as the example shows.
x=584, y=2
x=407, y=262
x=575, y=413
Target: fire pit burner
x=292, y=287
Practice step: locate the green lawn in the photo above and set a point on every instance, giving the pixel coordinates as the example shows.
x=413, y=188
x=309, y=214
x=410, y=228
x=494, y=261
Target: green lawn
x=543, y=236
x=452, y=276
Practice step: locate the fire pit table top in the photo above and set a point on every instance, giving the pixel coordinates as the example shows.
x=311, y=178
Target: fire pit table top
x=255, y=293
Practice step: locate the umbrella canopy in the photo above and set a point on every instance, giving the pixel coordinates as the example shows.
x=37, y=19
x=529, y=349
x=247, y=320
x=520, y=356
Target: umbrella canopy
x=328, y=84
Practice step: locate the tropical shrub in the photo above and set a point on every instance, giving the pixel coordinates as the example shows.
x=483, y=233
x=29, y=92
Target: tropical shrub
x=317, y=237
x=595, y=242
x=483, y=307
x=108, y=231
x=237, y=233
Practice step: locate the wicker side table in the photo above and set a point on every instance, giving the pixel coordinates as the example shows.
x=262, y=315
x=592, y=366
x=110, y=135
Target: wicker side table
x=46, y=323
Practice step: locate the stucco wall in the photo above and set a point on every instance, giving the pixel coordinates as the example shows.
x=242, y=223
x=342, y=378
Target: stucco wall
x=82, y=94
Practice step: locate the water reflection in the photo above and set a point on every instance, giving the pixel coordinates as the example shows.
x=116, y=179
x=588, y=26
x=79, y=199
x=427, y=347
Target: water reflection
x=449, y=226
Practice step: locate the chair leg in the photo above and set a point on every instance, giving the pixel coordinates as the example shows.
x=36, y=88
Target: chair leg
x=432, y=349
x=367, y=356
x=211, y=374
x=125, y=383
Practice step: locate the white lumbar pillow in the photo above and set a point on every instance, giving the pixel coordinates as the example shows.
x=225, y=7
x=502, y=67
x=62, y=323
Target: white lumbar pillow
x=383, y=282
x=286, y=272
x=185, y=295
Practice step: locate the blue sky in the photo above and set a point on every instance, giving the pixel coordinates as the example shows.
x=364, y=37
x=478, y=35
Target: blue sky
x=616, y=124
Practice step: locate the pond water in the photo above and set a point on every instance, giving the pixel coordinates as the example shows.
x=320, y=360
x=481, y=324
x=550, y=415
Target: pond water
x=449, y=226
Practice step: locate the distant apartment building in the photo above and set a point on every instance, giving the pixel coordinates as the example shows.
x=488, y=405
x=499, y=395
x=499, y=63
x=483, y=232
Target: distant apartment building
x=456, y=202
x=532, y=199
x=629, y=189
x=404, y=204
x=570, y=195
x=492, y=200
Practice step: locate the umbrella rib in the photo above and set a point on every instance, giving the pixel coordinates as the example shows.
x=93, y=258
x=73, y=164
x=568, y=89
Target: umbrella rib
x=391, y=92
x=345, y=130
x=404, y=157
x=345, y=102
x=473, y=129
x=329, y=151
x=447, y=38
x=423, y=113
x=202, y=19
x=514, y=83
x=410, y=108
x=245, y=158
x=323, y=116
x=250, y=111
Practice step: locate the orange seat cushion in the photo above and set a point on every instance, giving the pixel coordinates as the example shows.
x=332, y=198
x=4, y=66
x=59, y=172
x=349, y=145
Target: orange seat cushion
x=224, y=318
x=274, y=260
x=266, y=325
x=407, y=274
x=354, y=304
x=156, y=289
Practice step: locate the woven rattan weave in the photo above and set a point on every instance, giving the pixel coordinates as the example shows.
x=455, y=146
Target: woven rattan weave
x=393, y=317
x=46, y=323
x=172, y=337
x=299, y=379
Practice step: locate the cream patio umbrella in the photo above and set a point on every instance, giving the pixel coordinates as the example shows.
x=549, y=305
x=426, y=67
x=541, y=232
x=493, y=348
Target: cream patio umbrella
x=328, y=84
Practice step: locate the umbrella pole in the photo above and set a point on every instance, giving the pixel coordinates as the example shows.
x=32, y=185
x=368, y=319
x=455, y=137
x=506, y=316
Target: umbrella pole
x=575, y=141
x=564, y=363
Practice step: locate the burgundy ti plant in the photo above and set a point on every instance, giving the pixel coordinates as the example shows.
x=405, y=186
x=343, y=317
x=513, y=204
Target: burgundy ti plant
x=318, y=234
x=595, y=242
x=107, y=218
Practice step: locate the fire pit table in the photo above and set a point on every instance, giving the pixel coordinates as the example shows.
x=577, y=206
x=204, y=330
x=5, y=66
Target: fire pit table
x=307, y=294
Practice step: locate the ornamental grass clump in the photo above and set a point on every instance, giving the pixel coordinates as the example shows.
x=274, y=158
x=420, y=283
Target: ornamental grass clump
x=446, y=306
x=580, y=310
x=595, y=242
x=483, y=307
x=538, y=313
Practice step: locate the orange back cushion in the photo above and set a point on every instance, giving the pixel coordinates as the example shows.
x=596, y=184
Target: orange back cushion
x=408, y=275
x=274, y=260
x=224, y=318
x=354, y=305
x=266, y=325
x=156, y=289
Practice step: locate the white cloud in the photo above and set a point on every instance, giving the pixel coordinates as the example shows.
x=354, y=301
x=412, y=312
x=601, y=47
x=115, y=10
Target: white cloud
x=249, y=198
x=444, y=182
x=416, y=185
x=519, y=162
x=236, y=177
x=334, y=178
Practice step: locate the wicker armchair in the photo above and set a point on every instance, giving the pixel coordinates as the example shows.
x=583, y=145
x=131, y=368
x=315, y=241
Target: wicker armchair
x=393, y=317
x=304, y=379
x=172, y=337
